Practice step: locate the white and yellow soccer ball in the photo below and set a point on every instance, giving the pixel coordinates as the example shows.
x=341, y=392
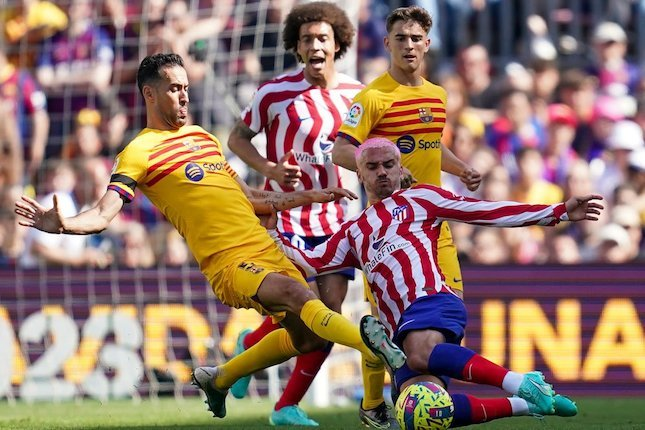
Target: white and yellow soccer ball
x=424, y=406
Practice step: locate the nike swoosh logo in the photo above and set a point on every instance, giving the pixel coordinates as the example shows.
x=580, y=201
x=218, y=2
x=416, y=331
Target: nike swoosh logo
x=456, y=281
x=405, y=323
x=540, y=387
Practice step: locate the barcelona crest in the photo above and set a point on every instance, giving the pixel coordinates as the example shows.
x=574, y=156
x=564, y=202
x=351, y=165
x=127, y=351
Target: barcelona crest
x=425, y=115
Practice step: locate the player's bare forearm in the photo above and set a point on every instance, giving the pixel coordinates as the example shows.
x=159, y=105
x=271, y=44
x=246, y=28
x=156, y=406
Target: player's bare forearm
x=343, y=154
x=264, y=200
x=50, y=220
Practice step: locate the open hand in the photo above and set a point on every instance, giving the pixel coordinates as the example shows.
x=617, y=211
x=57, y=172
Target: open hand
x=33, y=214
x=584, y=208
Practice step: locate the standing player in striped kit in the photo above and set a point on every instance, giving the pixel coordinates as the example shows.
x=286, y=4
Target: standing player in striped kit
x=394, y=242
x=405, y=108
x=300, y=113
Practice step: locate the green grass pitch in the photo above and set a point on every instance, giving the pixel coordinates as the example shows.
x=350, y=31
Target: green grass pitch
x=595, y=414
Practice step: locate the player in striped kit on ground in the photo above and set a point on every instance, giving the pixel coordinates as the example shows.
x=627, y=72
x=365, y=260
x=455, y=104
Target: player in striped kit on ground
x=402, y=106
x=394, y=242
x=299, y=113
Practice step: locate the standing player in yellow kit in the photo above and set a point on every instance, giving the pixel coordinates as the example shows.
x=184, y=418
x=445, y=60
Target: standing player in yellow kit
x=402, y=106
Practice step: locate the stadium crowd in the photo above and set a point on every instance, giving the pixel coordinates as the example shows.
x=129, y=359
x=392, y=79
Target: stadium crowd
x=564, y=117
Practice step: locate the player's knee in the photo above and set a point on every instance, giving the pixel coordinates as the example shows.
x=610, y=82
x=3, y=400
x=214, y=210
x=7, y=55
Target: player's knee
x=295, y=295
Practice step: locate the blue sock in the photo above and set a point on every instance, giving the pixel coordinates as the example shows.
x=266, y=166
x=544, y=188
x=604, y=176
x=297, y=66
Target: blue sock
x=448, y=359
x=463, y=413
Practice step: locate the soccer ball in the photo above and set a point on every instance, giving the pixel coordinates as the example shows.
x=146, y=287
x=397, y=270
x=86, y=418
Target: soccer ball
x=424, y=406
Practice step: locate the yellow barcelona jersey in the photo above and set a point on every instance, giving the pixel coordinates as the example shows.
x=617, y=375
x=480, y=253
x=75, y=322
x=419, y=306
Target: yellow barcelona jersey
x=411, y=117
x=185, y=175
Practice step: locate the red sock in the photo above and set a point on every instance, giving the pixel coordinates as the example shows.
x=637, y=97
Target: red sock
x=482, y=371
x=484, y=410
x=265, y=328
x=307, y=366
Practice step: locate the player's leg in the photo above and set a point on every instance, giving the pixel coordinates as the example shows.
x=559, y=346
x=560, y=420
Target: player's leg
x=247, y=339
x=237, y=285
x=332, y=290
x=280, y=293
x=373, y=411
x=437, y=351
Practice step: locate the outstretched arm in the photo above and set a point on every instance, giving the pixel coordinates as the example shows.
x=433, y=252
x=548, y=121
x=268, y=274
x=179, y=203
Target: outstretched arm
x=50, y=220
x=445, y=205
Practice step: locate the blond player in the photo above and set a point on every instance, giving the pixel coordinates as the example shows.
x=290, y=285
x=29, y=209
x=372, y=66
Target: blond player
x=405, y=108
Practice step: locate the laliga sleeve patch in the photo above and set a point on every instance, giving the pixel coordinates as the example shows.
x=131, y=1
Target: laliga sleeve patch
x=354, y=115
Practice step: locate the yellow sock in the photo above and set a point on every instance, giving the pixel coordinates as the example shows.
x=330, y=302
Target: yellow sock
x=373, y=374
x=274, y=348
x=333, y=326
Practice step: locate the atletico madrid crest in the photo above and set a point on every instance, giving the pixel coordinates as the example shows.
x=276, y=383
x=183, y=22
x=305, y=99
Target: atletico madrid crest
x=400, y=213
x=425, y=115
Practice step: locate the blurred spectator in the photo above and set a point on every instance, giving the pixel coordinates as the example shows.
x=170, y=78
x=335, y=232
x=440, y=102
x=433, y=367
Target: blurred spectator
x=496, y=184
x=62, y=249
x=613, y=245
x=489, y=247
x=563, y=249
x=578, y=91
x=515, y=129
x=611, y=168
x=616, y=76
x=373, y=59
x=530, y=185
x=558, y=153
x=628, y=218
x=27, y=106
x=33, y=20
x=458, y=110
x=75, y=69
x=169, y=246
x=483, y=89
x=177, y=37
x=86, y=140
x=11, y=160
x=605, y=114
x=636, y=177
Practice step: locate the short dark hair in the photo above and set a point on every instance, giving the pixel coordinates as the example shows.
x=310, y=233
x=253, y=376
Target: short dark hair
x=150, y=68
x=411, y=13
x=318, y=11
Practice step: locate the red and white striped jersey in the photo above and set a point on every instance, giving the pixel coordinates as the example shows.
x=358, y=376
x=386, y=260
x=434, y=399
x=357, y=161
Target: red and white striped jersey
x=298, y=116
x=394, y=242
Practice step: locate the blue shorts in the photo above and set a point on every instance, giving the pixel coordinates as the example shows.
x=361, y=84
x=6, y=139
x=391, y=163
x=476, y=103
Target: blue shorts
x=310, y=242
x=443, y=312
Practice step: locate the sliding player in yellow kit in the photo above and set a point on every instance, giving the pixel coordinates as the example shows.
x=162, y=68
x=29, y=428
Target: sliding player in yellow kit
x=402, y=106
x=182, y=170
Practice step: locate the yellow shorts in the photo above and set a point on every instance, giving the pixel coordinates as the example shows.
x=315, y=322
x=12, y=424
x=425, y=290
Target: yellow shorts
x=446, y=258
x=238, y=283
